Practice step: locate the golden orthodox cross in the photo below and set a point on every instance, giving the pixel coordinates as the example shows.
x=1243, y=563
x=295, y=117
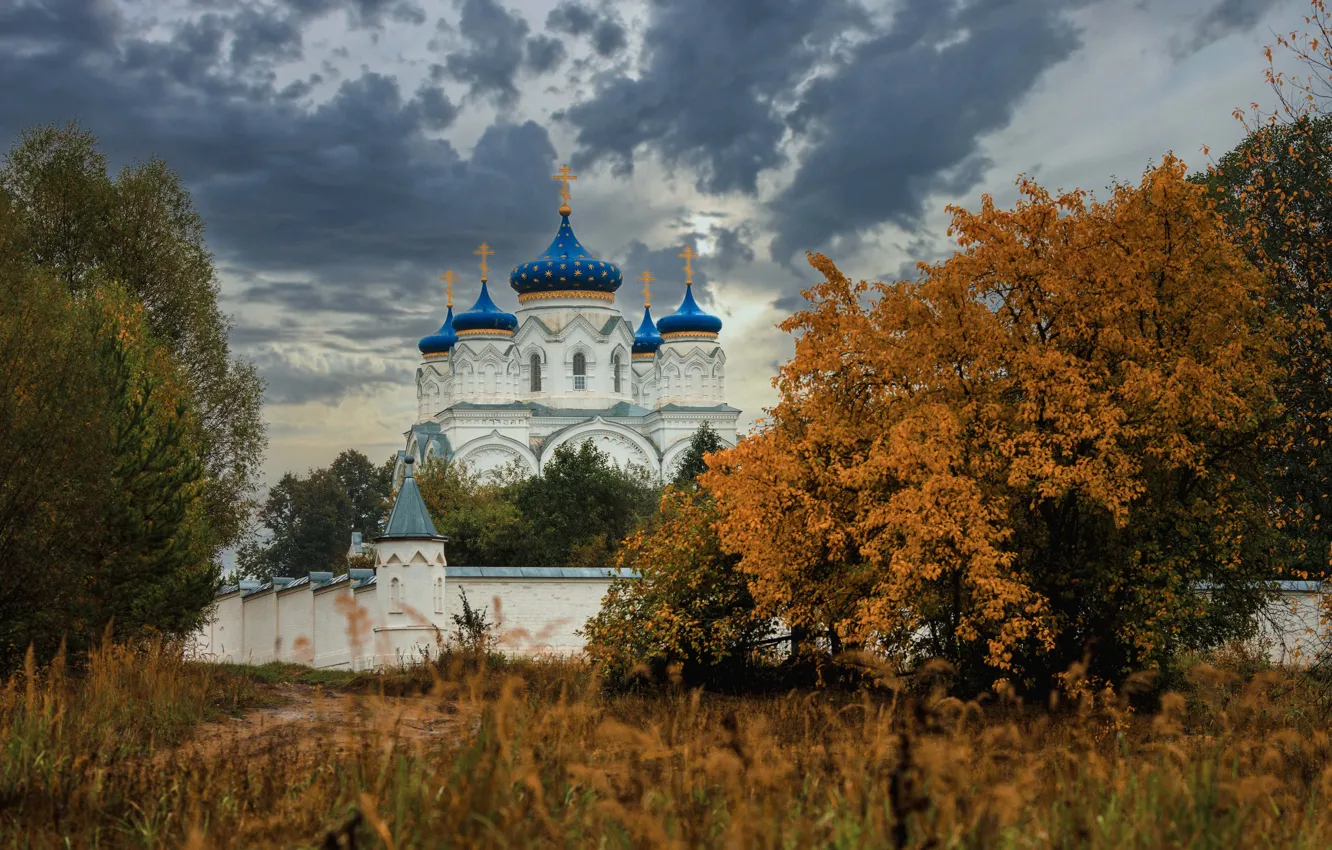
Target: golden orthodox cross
x=564, y=176
x=448, y=278
x=484, y=251
x=688, y=253
x=647, y=279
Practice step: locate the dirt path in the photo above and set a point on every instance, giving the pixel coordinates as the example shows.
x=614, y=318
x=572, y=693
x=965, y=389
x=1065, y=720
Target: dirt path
x=315, y=719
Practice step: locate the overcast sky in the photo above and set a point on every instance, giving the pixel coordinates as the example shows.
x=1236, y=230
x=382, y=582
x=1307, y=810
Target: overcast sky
x=345, y=152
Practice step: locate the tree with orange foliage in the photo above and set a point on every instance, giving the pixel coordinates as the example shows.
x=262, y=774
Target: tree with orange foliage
x=1038, y=449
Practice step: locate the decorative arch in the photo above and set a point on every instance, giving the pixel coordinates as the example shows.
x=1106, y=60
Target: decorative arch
x=495, y=450
x=579, y=347
x=621, y=442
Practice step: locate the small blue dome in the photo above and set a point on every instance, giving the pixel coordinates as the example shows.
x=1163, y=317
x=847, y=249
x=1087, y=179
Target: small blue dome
x=646, y=338
x=442, y=340
x=485, y=316
x=565, y=266
x=689, y=319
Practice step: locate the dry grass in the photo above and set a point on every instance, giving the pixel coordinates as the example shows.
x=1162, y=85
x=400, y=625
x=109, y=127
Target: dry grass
x=536, y=756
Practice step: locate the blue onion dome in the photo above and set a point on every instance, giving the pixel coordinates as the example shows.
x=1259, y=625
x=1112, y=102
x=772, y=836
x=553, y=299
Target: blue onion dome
x=565, y=267
x=689, y=320
x=485, y=318
x=441, y=341
x=646, y=338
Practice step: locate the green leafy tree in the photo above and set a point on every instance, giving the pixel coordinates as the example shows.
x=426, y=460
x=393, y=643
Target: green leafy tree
x=308, y=520
x=102, y=511
x=581, y=507
x=1275, y=192
x=368, y=488
x=692, y=462
x=140, y=231
x=480, y=518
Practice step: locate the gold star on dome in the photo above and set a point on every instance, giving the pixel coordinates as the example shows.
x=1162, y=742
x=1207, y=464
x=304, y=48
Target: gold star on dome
x=524, y=276
x=547, y=274
x=578, y=274
x=603, y=274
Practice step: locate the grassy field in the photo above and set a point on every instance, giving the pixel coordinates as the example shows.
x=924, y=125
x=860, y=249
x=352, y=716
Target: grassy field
x=144, y=749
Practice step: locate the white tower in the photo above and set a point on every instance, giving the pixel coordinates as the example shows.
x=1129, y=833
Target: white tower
x=409, y=579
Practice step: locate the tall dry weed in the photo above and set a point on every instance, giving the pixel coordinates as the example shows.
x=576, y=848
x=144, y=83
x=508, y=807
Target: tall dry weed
x=536, y=754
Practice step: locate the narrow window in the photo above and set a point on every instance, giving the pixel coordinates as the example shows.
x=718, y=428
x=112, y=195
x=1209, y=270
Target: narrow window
x=536, y=376
x=580, y=371
x=616, y=366
x=439, y=595
x=395, y=597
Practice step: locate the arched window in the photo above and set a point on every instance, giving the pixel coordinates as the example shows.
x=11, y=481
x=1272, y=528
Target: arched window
x=536, y=378
x=439, y=595
x=580, y=371
x=615, y=364
x=395, y=597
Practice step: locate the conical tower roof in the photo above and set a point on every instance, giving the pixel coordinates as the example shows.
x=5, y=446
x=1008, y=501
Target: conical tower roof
x=409, y=518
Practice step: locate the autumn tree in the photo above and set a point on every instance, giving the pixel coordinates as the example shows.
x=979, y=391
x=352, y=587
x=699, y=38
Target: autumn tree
x=685, y=603
x=1041, y=448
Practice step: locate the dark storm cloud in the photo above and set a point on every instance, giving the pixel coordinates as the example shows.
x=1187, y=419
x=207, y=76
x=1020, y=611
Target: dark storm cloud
x=291, y=380
x=437, y=111
x=263, y=35
x=607, y=34
x=544, y=53
x=494, y=50
x=706, y=96
x=1225, y=18
x=361, y=14
x=572, y=17
x=910, y=106
x=731, y=246
x=669, y=287
x=353, y=203
x=609, y=37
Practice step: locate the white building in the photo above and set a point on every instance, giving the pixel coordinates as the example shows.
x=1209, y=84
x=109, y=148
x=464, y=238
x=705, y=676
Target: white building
x=403, y=608
x=496, y=389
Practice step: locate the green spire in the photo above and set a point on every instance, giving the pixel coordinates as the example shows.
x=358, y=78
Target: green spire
x=409, y=517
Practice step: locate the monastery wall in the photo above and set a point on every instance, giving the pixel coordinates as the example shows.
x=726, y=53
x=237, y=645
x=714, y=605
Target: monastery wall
x=354, y=622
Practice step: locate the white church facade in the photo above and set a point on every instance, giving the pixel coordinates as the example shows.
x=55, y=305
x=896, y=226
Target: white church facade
x=496, y=389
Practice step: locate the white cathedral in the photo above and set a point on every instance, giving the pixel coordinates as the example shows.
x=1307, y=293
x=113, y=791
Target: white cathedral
x=497, y=389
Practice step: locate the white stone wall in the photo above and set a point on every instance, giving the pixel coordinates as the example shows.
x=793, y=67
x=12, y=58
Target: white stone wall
x=295, y=617
x=336, y=625
x=260, y=628
x=533, y=616
x=1292, y=630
